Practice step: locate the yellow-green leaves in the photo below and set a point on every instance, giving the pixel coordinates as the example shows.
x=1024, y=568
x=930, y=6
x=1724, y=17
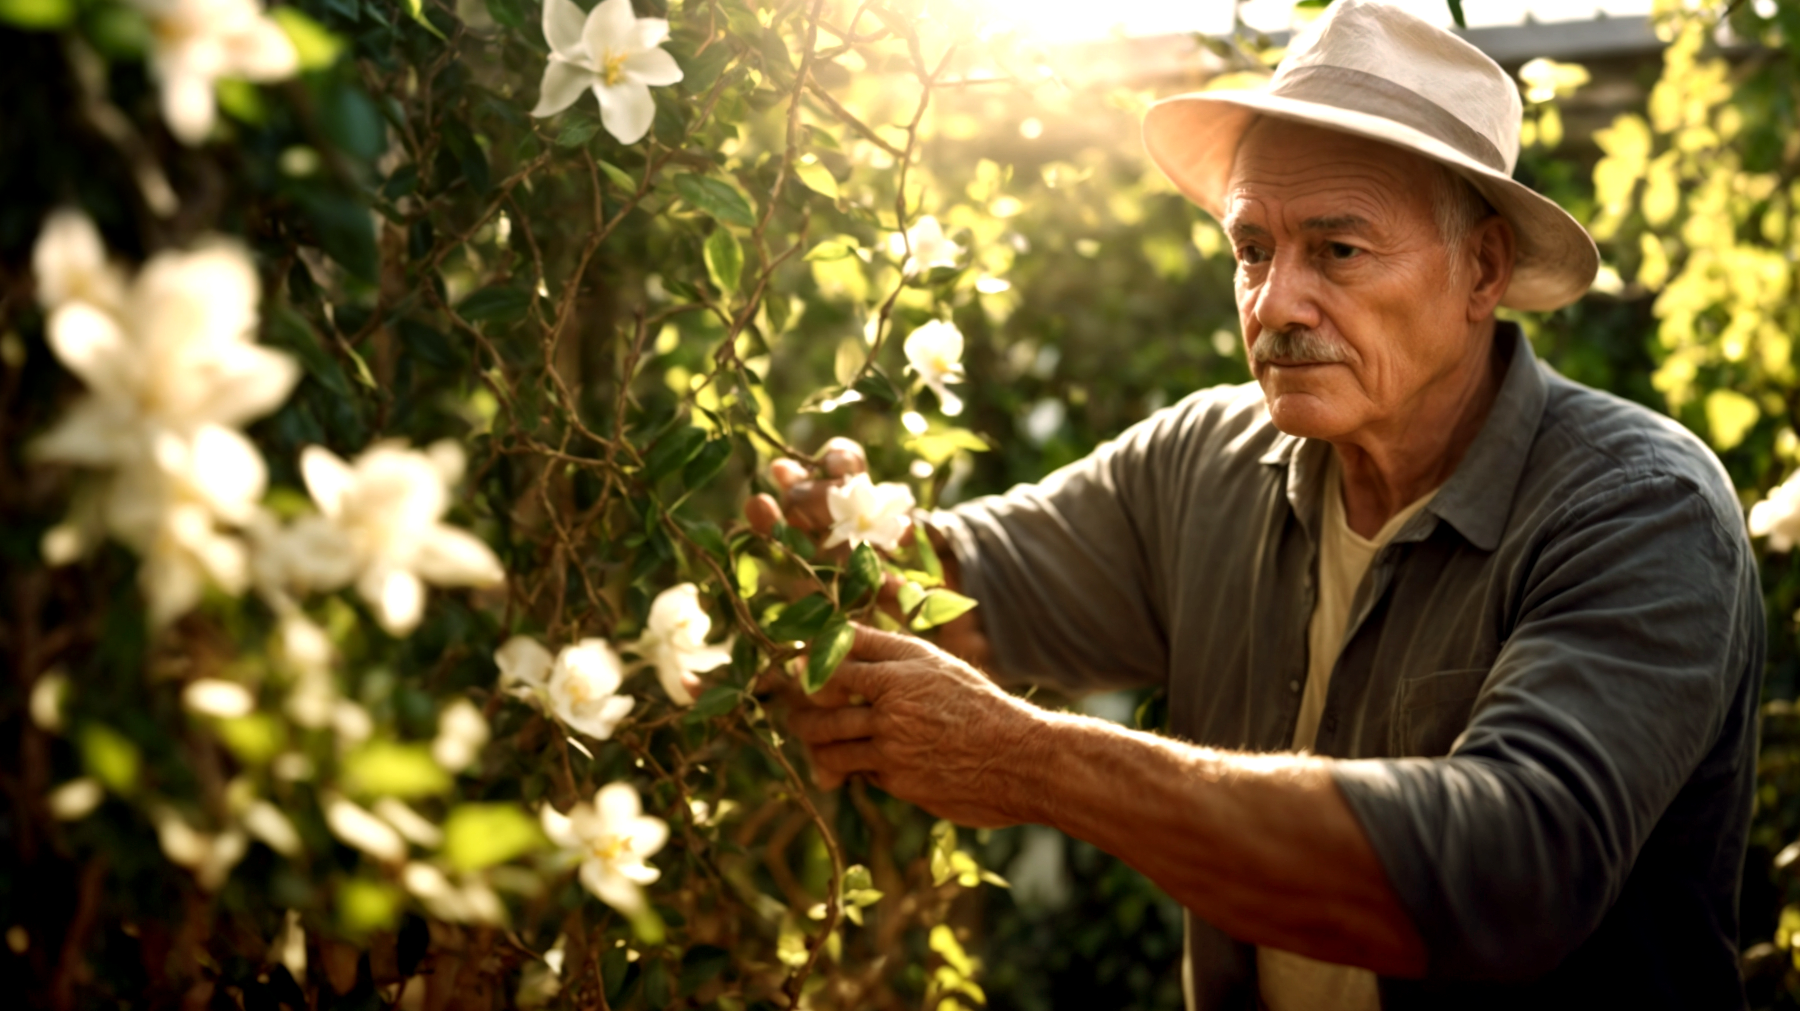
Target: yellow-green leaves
x=110, y=757
x=391, y=769
x=724, y=260
x=1729, y=417
x=828, y=651
x=37, y=15
x=817, y=177
x=481, y=835
x=317, y=47
x=858, y=892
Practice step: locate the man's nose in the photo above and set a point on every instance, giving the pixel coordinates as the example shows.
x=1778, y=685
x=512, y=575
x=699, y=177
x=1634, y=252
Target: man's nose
x=1287, y=297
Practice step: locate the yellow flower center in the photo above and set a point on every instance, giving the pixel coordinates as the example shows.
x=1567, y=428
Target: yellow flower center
x=610, y=847
x=613, y=68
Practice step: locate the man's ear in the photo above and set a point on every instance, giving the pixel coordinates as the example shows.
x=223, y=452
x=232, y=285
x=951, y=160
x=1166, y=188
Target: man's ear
x=1494, y=247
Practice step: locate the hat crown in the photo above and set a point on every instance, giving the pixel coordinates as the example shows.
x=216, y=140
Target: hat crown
x=1389, y=47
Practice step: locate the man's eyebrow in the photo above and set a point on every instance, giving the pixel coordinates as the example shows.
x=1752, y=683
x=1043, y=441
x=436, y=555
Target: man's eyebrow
x=1335, y=223
x=1239, y=228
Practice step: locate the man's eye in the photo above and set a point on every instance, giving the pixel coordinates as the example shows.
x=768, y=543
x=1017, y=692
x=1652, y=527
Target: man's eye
x=1251, y=254
x=1342, y=250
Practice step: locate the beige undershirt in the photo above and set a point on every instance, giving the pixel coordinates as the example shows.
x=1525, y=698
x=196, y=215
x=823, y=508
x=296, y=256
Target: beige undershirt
x=1290, y=982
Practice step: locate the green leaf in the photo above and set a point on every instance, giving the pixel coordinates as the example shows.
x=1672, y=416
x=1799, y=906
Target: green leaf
x=724, y=260
x=716, y=198
x=928, y=556
x=110, y=757
x=862, y=574
x=707, y=536
x=939, y=607
x=481, y=835
x=498, y=304
x=828, y=651
x=343, y=228
x=706, y=464
x=910, y=596
x=417, y=9
x=878, y=388
x=255, y=738
x=835, y=248
x=938, y=445
x=715, y=701
x=618, y=177
x=817, y=178
x=241, y=101
x=748, y=576
x=37, y=15
x=392, y=769
x=943, y=848
x=802, y=620
x=1456, y=13
x=507, y=13
x=365, y=906
x=671, y=452
x=578, y=133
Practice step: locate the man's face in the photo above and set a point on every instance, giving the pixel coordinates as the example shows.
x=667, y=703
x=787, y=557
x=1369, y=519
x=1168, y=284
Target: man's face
x=1342, y=279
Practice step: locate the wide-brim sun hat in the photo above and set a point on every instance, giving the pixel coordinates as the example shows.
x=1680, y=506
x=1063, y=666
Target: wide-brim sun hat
x=1373, y=70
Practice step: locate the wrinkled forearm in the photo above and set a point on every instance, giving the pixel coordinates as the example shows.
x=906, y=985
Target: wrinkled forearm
x=1262, y=846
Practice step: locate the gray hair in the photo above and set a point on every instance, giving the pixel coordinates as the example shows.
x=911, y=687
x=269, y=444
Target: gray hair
x=1457, y=207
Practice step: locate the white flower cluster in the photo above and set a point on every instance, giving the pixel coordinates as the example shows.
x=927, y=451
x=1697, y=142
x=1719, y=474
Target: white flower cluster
x=172, y=371
x=579, y=686
x=1778, y=516
x=197, y=42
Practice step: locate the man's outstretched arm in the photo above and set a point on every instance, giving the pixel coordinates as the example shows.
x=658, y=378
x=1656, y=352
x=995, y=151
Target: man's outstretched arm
x=1262, y=846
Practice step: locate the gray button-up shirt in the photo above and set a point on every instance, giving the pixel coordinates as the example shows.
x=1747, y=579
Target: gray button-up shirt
x=1546, y=697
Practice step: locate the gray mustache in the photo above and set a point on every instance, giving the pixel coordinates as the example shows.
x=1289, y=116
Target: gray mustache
x=1299, y=346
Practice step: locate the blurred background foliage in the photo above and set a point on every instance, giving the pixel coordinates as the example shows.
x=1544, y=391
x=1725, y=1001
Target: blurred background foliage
x=478, y=305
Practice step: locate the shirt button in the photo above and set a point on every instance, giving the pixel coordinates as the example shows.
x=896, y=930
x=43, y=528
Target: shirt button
x=1293, y=686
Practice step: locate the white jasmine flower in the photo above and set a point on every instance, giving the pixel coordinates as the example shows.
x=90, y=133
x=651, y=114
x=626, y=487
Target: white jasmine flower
x=71, y=265
x=612, y=51
x=1778, y=516
x=267, y=823
x=75, y=799
x=462, y=731
x=388, y=505
x=48, y=695
x=934, y=352
x=211, y=857
x=866, y=513
x=524, y=666
x=218, y=697
x=473, y=902
x=289, y=945
x=196, y=42
x=171, y=371
x=930, y=246
x=409, y=823
x=674, y=641
x=362, y=830
x=613, y=838
x=582, y=688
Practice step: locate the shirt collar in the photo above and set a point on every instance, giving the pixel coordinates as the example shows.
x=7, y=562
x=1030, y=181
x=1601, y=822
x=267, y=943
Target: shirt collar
x=1477, y=500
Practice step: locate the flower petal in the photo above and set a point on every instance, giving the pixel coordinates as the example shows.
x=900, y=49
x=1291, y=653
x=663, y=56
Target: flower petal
x=649, y=33
x=187, y=106
x=95, y=433
x=669, y=673
x=523, y=660
x=397, y=596
x=245, y=382
x=452, y=557
x=626, y=108
x=328, y=479
x=558, y=828
x=91, y=344
x=610, y=29
x=563, y=22
x=69, y=262
x=613, y=889
x=171, y=582
x=618, y=805
x=652, y=66
x=561, y=86
x=227, y=472
x=261, y=51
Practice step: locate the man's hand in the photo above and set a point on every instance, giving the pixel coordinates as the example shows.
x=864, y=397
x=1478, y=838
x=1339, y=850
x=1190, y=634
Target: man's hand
x=803, y=504
x=924, y=726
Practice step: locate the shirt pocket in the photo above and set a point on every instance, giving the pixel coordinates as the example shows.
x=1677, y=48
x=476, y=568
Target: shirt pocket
x=1432, y=710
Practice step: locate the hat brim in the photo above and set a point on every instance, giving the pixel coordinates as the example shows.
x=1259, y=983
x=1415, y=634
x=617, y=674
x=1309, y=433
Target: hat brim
x=1194, y=138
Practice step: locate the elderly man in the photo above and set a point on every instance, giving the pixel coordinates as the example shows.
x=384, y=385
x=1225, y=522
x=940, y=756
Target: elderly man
x=1462, y=658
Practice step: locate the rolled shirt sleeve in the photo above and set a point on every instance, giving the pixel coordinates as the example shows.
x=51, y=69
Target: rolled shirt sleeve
x=1627, y=660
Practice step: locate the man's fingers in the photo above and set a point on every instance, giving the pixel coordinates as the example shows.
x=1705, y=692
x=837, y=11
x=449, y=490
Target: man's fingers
x=843, y=457
x=786, y=473
x=830, y=726
x=844, y=758
x=763, y=513
x=874, y=646
x=807, y=507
